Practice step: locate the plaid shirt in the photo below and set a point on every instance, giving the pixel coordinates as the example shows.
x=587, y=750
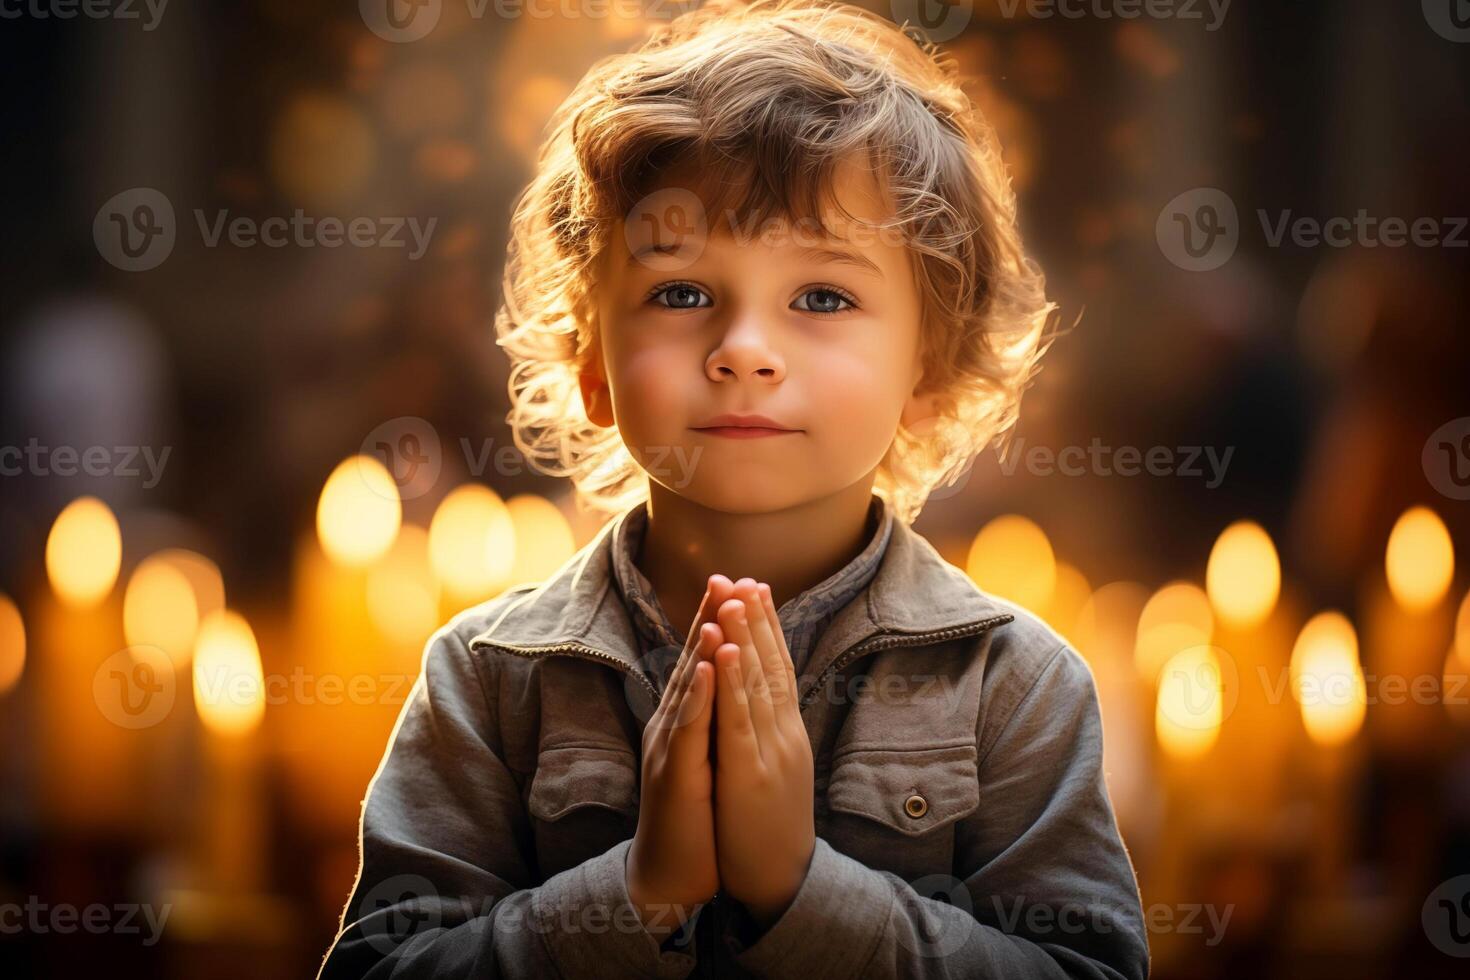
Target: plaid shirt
x=803, y=618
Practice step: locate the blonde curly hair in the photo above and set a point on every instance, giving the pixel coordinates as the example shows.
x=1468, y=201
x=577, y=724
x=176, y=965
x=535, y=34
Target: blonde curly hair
x=766, y=97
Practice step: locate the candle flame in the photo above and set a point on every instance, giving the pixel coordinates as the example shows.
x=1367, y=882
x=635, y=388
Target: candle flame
x=229, y=684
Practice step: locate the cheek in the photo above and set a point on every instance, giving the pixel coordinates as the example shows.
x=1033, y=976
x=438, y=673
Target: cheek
x=859, y=389
x=649, y=390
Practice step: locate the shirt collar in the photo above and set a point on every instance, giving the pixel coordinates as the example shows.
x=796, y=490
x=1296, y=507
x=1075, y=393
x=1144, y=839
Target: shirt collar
x=915, y=593
x=802, y=617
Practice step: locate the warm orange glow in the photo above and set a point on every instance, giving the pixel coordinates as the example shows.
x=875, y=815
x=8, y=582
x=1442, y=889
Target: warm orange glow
x=159, y=609
x=1190, y=705
x=543, y=535
x=1243, y=578
x=1420, y=562
x=359, y=512
x=1012, y=558
x=229, y=684
x=12, y=644
x=84, y=552
x=1176, y=617
x=402, y=593
x=1327, y=679
x=1068, y=597
x=472, y=542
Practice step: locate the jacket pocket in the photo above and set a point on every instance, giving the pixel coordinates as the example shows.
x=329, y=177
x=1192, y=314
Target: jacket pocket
x=889, y=808
x=912, y=791
x=573, y=776
x=582, y=801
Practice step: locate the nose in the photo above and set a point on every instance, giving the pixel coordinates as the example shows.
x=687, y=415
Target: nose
x=745, y=351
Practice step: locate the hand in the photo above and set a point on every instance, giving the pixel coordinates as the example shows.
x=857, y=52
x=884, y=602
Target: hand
x=671, y=866
x=764, y=833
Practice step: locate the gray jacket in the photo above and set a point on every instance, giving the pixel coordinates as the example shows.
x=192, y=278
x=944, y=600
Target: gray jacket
x=963, y=826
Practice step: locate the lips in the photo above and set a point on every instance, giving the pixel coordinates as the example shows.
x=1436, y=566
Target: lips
x=744, y=422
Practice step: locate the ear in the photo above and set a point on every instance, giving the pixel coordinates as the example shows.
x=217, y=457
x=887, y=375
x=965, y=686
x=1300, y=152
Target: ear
x=595, y=396
x=921, y=408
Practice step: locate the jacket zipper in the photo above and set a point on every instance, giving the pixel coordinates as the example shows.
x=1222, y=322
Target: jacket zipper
x=886, y=640
x=873, y=644
x=580, y=650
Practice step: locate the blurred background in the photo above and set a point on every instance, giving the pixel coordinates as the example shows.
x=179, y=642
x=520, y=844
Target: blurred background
x=253, y=443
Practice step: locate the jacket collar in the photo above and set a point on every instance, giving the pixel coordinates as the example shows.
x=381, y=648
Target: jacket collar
x=914, y=592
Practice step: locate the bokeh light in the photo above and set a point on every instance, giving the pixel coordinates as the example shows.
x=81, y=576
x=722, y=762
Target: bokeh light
x=472, y=542
x=1175, y=618
x=229, y=683
x=1190, y=705
x=84, y=552
x=1420, y=561
x=159, y=609
x=402, y=593
x=1012, y=558
x=359, y=512
x=1243, y=577
x=12, y=644
x=1327, y=679
x=543, y=535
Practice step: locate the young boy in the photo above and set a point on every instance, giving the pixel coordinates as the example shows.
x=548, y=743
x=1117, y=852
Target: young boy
x=764, y=293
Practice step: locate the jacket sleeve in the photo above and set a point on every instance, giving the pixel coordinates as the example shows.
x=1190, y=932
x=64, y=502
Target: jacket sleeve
x=446, y=885
x=1047, y=888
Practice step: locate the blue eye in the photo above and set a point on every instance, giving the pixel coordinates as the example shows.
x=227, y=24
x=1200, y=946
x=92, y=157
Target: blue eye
x=830, y=301
x=681, y=296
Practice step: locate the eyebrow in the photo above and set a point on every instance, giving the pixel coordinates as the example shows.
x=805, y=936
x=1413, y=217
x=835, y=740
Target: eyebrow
x=814, y=253
x=842, y=257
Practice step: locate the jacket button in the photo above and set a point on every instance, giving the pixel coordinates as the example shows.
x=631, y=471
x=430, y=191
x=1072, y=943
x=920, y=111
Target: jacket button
x=916, y=806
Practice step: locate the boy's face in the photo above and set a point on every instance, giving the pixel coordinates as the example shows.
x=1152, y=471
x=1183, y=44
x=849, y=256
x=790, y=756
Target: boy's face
x=821, y=336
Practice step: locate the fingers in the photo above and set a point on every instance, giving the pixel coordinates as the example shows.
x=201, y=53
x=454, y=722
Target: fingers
x=717, y=590
x=689, y=741
x=771, y=642
x=669, y=711
x=733, y=726
x=734, y=621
